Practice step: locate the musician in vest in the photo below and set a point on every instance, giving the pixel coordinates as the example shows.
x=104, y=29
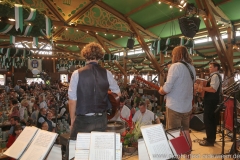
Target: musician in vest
x=88, y=93
x=178, y=90
x=212, y=98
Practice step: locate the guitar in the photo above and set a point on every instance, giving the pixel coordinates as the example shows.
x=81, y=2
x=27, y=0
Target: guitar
x=148, y=83
x=114, y=99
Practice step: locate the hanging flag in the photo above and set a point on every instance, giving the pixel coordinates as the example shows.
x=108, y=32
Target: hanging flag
x=32, y=15
x=8, y=53
x=12, y=39
x=182, y=41
x=48, y=25
x=13, y=62
x=167, y=41
x=24, y=54
x=1, y=50
x=18, y=17
x=158, y=46
x=28, y=30
x=35, y=41
x=6, y=29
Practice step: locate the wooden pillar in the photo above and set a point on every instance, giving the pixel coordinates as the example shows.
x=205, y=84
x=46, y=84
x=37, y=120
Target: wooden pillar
x=125, y=68
x=230, y=52
x=161, y=76
x=54, y=66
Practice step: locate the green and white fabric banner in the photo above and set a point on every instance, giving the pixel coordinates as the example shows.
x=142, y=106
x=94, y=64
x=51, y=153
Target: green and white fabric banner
x=13, y=62
x=12, y=39
x=8, y=53
x=32, y=15
x=24, y=54
x=35, y=41
x=48, y=26
x=6, y=29
x=18, y=17
x=28, y=30
x=1, y=50
x=182, y=41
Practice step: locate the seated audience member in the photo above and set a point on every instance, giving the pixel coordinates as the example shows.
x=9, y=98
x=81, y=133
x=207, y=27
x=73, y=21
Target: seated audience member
x=123, y=113
x=51, y=124
x=14, y=103
x=15, y=120
x=44, y=126
x=17, y=130
x=62, y=111
x=149, y=105
x=35, y=113
x=15, y=112
x=144, y=116
x=23, y=110
x=42, y=101
x=41, y=117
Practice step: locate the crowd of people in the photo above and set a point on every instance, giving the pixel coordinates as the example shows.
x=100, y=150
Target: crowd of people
x=33, y=105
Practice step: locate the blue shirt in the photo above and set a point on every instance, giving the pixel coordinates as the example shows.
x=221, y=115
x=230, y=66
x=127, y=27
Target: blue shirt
x=179, y=88
x=72, y=90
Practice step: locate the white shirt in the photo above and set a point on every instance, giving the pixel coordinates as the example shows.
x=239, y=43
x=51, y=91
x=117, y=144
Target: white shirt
x=43, y=104
x=125, y=113
x=179, y=88
x=145, y=118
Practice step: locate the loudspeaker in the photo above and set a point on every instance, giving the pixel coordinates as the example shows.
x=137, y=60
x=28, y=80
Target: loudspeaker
x=189, y=26
x=196, y=122
x=130, y=43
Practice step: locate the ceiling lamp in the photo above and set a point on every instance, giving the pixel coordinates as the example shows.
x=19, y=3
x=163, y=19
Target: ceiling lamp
x=182, y=3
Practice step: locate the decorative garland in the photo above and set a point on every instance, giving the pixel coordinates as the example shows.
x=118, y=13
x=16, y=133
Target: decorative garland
x=40, y=24
x=208, y=57
x=202, y=66
x=237, y=63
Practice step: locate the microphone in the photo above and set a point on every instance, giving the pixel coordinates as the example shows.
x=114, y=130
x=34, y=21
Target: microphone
x=165, y=64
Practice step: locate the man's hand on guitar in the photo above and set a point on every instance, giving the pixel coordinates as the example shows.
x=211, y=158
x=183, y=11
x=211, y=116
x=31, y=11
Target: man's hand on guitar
x=161, y=91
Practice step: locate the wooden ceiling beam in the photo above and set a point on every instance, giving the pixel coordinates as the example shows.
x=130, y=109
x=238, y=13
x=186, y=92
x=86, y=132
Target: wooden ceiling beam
x=161, y=23
x=144, y=46
x=59, y=31
x=222, y=2
x=20, y=39
x=214, y=33
x=93, y=28
x=53, y=9
x=101, y=42
x=122, y=17
x=120, y=67
x=80, y=12
x=143, y=6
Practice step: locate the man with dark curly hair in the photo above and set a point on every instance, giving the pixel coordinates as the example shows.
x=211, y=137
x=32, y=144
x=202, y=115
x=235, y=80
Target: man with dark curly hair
x=88, y=93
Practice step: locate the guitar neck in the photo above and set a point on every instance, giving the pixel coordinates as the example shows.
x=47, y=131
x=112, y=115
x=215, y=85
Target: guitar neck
x=148, y=83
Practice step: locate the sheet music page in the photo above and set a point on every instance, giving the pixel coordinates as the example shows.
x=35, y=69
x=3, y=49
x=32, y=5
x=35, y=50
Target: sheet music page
x=156, y=142
x=81, y=154
x=40, y=145
x=71, y=148
x=83, y=141
x=103, y=146
x=55, y=153
x=118, y=147
x=142, y=150
x=21, y=143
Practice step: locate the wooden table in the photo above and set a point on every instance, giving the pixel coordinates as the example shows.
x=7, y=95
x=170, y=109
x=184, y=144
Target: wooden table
x=2, y=156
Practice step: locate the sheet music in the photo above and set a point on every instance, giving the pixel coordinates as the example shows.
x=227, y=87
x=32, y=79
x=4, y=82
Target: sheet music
x=103, y=146
x=71, y=149
x=142, y=150
x=156, y=142
x=55, y=153
x=118, y=147
x=83, y=141
x=81, y=154
x=40, y=145
x=21, y=143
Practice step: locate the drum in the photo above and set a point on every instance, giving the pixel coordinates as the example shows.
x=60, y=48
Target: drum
x=116, y=126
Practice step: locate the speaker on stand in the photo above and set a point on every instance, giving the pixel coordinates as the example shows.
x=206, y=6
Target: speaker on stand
x=197, y=123
x=130, y=43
